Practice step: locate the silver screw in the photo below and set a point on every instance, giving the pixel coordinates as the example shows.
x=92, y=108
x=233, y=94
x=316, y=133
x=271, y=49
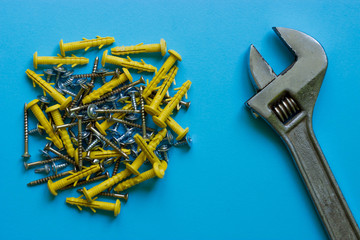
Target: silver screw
x=185, y=142
x=46, y=169
x=49, y=73
x=133, y=93
x=44, y=101
x=59, y=71
x=163, y=149
x=56, y=168
x=36, y=130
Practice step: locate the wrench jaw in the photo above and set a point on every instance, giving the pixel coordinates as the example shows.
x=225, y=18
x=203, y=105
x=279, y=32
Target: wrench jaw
x=286, y=99
x=260, y=71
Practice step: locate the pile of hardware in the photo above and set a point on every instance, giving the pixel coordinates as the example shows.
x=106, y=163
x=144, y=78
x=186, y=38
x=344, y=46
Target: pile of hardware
x=93, y=130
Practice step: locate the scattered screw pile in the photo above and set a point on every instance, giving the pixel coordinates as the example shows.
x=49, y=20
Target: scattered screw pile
x=93, y=129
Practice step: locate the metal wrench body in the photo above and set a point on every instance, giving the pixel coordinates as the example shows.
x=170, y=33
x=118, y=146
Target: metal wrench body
x=286, y=103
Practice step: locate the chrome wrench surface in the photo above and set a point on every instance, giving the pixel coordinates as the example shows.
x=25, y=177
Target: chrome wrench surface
x=286, y=102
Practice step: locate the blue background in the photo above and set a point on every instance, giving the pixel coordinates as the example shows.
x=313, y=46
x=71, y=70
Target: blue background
x=238, y=181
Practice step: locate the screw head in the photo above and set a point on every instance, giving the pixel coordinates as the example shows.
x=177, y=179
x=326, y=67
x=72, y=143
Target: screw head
x=81, y=81
x=26, y=165
x=26, y=155
x=49, y=72
x=187, y=104
x=47, y=168
x=91, y=111
x=133, y=116
x=44, y=153
x=60, y=69
x=43, y=99
x=67, y=74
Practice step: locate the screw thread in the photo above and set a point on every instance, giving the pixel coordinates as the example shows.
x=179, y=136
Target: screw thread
x=116, y=111
x=92, y=145
x=132, y=124
x=33, y=131
x=45, y=179
x=133, y=101
x=80, y=148
x=96, y=63
x=116, y=167
x=68, y=92
x=66, y=158
x=26, y=129
x=68, y=82
x=143, y=116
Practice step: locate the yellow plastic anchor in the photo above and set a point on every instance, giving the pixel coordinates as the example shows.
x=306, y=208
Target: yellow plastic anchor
x=141, y=48
x=59, y=60
x=89, y=194
x=79, y=202
x=73, y=178
x=127, y=63
x=143, y=177
x=34, y=107
x=101, y=154
x=108, y=87
x=150, y=155
x=160, y=120
x=181, y=132
x=170, y=61
x=152, y=109
x=56, y=116
x=171, y=123
x=85, y=44
x=64, y=102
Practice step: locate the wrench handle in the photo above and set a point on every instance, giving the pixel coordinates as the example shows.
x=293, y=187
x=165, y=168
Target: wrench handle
x=320, y=181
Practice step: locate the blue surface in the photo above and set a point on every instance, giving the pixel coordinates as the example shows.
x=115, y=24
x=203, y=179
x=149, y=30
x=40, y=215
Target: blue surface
x=238, y=181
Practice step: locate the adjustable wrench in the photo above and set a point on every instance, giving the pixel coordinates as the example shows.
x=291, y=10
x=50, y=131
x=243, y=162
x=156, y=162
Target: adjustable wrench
x=286, y=102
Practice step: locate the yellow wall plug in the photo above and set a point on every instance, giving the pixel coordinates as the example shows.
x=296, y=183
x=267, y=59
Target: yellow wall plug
x=56, y=116
x=101, y=154
x=181, y=132
x=64, y=102
x=150, y=155
x=170, y=61
x=152, y=109
x=143, y=177
x=59, y=60
x=89, y=194
x=127, y=63
x=79, y=202
x=108, y=87
x=73, y=178
x=160, y=120
x=45, y=124
x=85, y=44
x=141, y=48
